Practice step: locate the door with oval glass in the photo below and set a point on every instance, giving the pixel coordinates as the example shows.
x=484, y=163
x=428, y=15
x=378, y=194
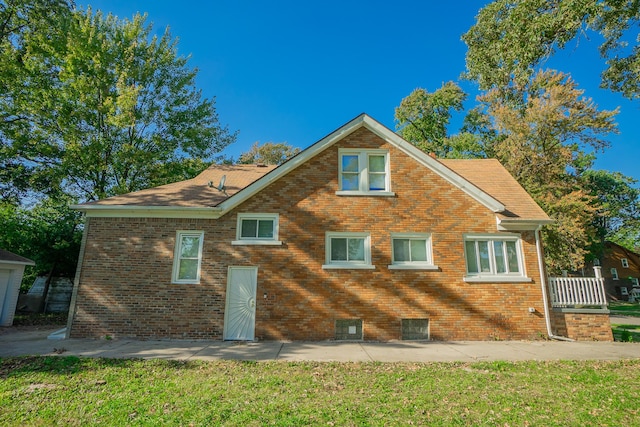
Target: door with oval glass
x=240, y=309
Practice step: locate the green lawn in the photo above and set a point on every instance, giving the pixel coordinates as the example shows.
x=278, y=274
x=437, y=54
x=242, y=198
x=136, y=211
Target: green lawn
x=625, y=308
x=626, y=333
x=78, y=391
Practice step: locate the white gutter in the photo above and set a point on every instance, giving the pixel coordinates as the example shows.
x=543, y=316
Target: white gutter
x=543, y=284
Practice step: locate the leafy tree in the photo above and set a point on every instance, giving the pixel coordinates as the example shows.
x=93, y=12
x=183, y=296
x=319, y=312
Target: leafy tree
x=548, y=134
x=120, y=111
x=512, y=37
x=49, y=233
x=422, y=118
x=269, y=153
x=22, y=80
x=618, y=215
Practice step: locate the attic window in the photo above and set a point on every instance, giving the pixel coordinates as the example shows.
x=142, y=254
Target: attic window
x=257, y=229
x=625, y=263
x=364, y=172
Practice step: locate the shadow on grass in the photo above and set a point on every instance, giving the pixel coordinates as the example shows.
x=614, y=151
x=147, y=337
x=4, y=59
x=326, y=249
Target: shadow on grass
x=626, y=333
x=65, y=365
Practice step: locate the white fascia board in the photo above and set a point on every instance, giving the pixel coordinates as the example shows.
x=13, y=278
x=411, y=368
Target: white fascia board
x=433, y=164
x=521, y=224
x=124, y=211
x=11, y=263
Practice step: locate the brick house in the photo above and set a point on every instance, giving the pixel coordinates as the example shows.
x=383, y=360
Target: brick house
x=621, y=272
x=361, y=236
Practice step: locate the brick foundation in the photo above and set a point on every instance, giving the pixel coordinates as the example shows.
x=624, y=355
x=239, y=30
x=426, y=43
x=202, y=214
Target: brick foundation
x=582, y=326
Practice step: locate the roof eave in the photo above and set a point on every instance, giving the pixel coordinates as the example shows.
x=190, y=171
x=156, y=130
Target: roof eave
x=128, y=211
x=16, y=262
x=522, y=224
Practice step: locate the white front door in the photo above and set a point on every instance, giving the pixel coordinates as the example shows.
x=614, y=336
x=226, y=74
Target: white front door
x=240, y=310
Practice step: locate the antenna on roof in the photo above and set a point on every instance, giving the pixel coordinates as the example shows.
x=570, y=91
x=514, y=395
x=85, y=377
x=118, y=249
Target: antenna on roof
x=220, y=186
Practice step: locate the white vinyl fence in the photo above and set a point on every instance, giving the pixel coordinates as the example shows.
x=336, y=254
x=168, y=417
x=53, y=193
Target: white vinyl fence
x=578, y=291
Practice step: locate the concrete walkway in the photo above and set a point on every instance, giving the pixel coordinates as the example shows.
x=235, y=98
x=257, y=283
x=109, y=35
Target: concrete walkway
x=21, y=343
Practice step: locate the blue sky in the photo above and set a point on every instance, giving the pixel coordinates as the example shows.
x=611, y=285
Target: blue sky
x=294, y=71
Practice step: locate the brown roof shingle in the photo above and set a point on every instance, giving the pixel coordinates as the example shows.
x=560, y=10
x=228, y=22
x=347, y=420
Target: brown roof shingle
x=194, y=192
x=10, y=257
x=491, y=177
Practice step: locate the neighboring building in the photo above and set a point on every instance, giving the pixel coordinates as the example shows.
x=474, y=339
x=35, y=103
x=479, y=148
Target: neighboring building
x=621, y=271
x=11, y=272
x=361, y=236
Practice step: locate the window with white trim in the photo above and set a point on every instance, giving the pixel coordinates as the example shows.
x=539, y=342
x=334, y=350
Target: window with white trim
x=411, y=251
x=364, y=172
x=257, y=229
x=614, y=273
x=634, y=282
x=347, y=250
x=494, y=257
x=625, y=262
x=187, y=256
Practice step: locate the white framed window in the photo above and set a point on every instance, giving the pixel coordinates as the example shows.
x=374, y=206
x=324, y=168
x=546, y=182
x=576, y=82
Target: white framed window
x=347, y=250
x=411, y=251
x=614, y=273
x=634, y=282
x=494, y=258
x=364, y=172
x=187, y=256
x=257, y=229
x=625, y=262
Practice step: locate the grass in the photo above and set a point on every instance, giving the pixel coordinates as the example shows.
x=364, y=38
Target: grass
x=625, y=308
x=40, y=319
x=79, y=391
x=626, y=333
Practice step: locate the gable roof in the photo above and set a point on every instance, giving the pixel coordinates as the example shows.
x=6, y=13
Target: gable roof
x=484, y=180
x=7, y=257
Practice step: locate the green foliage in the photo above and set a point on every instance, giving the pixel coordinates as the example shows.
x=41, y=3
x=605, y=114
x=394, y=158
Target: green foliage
x=422, y=119
x=511, y=38
x=269, y=153
x=104, y=108
x=49, y=233
x=549, y=131
x=618, y=215
x=23, y=80
x=79, y=391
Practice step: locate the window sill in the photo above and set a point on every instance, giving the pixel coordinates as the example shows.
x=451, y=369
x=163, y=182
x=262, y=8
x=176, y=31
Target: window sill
x=348, y=267
x=413, y=267
x=185, y=282
x=366, y=193
x=257, y=242
x=497, y=279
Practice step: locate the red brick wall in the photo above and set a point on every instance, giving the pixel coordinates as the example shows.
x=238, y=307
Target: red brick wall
x=583, y=326
x=125, y=284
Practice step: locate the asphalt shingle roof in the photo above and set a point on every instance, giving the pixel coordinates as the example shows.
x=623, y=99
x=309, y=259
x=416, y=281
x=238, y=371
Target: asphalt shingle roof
x=194, y=192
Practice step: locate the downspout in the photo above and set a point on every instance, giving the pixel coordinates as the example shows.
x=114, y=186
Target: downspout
x=543, y=284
